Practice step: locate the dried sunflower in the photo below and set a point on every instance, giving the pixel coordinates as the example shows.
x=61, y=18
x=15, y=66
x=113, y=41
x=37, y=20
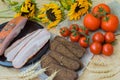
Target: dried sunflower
x=27, y=9
x=79, y=8
x=50, y=14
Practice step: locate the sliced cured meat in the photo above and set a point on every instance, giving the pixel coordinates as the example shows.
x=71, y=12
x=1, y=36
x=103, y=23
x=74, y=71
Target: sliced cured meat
x=16, y=43
x=13, y=28
x=10, y=54
x=31, y=48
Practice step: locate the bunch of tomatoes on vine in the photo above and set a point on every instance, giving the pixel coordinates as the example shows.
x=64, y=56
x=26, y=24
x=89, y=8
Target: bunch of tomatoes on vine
x=99, y=18
x=76, y=34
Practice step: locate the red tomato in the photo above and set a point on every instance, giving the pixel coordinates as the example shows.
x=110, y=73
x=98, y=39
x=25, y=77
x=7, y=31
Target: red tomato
x=91, y=22
x=101, y=10
x=82, y=42
x=74, y=37
x=74, y=27
x=96, y=48
x=64, y=31
x=98, y=37
x=109, y=37
x=85, y=31
x=107, y=49
x=110, y=23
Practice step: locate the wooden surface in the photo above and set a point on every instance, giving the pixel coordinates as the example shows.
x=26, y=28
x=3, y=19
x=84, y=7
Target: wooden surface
x=9, y=71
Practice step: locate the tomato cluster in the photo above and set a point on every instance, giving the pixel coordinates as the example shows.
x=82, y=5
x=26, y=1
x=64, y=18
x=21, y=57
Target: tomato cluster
x=102, y=43
x=101, y=17
x=76, y=34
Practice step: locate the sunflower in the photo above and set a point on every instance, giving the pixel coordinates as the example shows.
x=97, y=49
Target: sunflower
x=79, y=8
x=27, y=9
x=50, y=14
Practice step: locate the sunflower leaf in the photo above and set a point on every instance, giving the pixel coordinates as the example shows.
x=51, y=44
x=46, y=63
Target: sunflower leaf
x=73, y=1
x=36, y=19
x=16, y=8
x=65, y=4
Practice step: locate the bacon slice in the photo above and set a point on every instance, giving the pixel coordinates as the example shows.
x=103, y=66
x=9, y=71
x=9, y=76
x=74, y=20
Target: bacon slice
x=31, y=48
x=13, y=28
x=14, y=49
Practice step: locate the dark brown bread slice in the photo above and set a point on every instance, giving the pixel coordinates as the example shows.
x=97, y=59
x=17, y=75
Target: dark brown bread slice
x=63, y=74
x=74, y=48
x=46, y=59
x=65, y=61
x=56, y=46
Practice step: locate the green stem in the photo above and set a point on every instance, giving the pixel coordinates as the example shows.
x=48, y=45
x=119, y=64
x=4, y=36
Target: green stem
x=73, y=1
x=35, y=18
x=1, y=11
x=60, y=3
x=6, y=16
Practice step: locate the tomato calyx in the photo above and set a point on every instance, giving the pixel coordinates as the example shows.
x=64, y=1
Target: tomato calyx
x=106, y=18
x=74, y=27
x=62, y=31
x=102, y=11
x=83, y=43
x=74, y=37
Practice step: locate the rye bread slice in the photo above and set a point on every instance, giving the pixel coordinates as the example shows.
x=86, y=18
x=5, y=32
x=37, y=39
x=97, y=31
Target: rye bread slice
x=77, y=50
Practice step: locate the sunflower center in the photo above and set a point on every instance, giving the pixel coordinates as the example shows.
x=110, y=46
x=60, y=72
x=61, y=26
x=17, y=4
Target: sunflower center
x=78, y=8
x=51, y=16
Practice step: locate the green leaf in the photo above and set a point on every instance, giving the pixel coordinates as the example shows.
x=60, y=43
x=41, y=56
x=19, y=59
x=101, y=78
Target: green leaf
x=73, y=1
x=35, y=19
x=64, y=4
x=16, y=8
x=33, y=1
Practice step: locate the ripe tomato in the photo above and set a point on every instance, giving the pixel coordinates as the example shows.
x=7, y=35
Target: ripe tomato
x=96, y=48
x=98, y=37
x=91, y=22
x=109, y=37
x=107, y=49
x=74, y=37
x=74, y=27
x=84, y=31
x=64, y=31
x=82, y=42
x=110, y=23
x=101, y=10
